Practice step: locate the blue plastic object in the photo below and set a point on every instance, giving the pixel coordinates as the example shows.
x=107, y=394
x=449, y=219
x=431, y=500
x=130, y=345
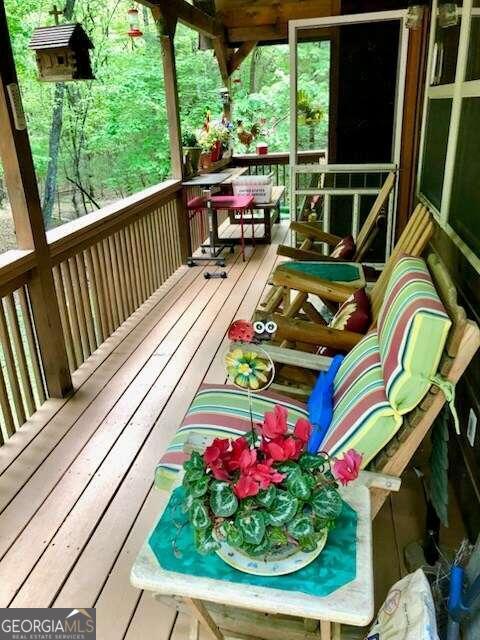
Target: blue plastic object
x=320, y=405
x=460, y=602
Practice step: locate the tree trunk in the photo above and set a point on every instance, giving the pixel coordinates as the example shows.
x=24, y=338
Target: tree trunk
x=53, y=152
x=55, y=135
x=255, y=57
x=311, y=136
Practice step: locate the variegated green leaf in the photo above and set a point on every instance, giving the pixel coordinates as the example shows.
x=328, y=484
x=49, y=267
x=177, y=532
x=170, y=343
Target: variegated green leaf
x=309, y=462
x=199, y=515
x=300, y=527
x=260, y=549
x=266, y=498
x=200, y=487
x=288, y=468
x=283, y=509
x=232, y=534
x=204, y=541
x=327, y=503
x=298, y=485
x=252, y=527
x=223, y=501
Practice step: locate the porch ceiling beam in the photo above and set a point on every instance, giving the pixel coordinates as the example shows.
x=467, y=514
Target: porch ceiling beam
x=272, y=33
x=244, y=13
x=189, y=15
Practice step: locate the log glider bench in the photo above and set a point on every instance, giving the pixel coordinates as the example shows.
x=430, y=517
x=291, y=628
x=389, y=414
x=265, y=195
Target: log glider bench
x=388, y=391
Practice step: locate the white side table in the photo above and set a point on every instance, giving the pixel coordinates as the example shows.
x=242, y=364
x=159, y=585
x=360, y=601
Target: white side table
x=351, y=604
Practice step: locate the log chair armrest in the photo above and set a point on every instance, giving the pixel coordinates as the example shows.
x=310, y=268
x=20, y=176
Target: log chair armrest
x=310, y=333
x=325, y=289
x=304, y=255
x=293, y=357
x=374, y=480
x=312, y=232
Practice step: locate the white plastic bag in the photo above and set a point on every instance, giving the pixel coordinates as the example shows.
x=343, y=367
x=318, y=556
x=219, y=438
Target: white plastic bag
x=408, y=612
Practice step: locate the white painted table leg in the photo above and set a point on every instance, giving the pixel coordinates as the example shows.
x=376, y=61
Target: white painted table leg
x=200, y=612
x=337, y=631
x=194, y=630
x=325, y=630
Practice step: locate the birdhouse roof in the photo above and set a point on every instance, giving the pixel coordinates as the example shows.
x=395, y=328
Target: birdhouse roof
x=61, y=35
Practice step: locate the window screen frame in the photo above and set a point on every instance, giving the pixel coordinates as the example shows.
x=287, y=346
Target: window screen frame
x=456, y=91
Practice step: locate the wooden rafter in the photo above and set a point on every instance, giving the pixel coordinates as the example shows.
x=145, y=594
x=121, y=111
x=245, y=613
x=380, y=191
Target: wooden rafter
x=223, y=58
x=187, y=14
x=240, y=54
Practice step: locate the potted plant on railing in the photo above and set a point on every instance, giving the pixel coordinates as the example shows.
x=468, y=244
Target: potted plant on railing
x=214, y=139
x=191, y=152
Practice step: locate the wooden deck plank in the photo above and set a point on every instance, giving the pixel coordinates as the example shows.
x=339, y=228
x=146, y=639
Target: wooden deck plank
x=216, y=371
x=97, y=436
x=152, y=615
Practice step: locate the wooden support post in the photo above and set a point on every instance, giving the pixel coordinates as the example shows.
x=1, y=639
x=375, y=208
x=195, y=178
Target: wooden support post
x=412, y=120
x=166, y=23
x=185, y=238
x=27, y=214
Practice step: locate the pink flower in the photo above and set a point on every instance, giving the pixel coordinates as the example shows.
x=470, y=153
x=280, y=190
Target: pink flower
x=347, y=469
x=282, y=449
x=265, y=474
x=275, y=423
x=303, y=429
x=216, y=457
x=247, y=459
x=216, y=450
x=239, y=446
x=246, y=487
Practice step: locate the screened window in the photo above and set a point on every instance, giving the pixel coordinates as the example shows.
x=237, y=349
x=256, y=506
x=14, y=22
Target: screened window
x=450, y=163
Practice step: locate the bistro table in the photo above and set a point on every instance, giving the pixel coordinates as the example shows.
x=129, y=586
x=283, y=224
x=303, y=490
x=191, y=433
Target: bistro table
x=351, y=603
x=223, y=182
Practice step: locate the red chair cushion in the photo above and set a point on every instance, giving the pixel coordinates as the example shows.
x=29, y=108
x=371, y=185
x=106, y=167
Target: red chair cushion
x=198, y=202
x=345, y=249
x=353, y=315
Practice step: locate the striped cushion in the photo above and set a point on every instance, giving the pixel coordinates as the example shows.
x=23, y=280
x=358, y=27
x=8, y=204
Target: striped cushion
x=362, y=416
x=220, y=412
x=412, y=329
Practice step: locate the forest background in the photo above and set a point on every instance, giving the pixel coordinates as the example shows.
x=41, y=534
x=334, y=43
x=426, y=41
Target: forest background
x=98, y=141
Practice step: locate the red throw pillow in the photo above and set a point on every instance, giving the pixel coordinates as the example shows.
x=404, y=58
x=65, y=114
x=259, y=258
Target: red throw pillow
x=345, y=249
x=353, y=315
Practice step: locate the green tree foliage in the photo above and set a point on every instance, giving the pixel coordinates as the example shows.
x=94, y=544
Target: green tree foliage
x=114, y=137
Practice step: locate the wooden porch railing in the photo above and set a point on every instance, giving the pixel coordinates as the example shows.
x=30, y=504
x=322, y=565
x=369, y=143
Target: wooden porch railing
x=105, y=266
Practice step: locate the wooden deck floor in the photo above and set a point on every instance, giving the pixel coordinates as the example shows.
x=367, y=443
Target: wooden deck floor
x=76, y=495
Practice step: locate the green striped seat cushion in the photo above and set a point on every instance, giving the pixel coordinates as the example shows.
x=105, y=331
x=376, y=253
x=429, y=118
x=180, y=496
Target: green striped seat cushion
x=220, y=411
x=412, y=330
x=363, y=418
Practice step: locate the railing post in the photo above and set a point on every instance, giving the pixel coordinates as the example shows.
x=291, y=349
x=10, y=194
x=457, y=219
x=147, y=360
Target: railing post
x=27, y=214
x=184, y=236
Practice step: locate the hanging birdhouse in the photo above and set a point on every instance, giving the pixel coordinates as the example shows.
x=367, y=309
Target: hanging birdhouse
x=62, y=52
x=134, y=31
